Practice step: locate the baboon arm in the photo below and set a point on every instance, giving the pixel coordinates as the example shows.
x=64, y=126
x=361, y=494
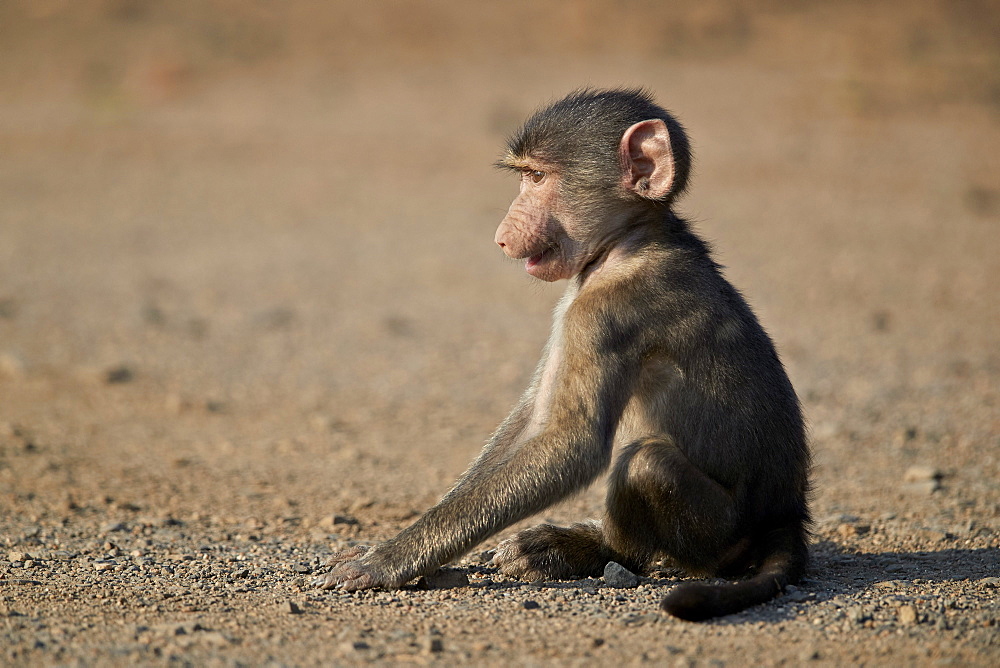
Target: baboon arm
x=538, y=473
x=515, y=479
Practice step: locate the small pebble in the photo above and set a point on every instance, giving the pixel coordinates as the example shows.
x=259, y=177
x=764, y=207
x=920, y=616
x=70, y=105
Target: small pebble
x=118, y=374
x=331, y=521
x=352, y=646
x=797, y=596
x=616, y=575
x=921, y=474
x=924, y=487
x=922, y=480
x=851, y=530
x=444, y=578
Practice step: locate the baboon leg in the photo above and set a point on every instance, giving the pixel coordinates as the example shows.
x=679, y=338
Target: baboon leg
x=659, y=503
x=548, y=552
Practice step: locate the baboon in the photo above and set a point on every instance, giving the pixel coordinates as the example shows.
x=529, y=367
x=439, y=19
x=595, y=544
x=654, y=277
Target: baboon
x=654, y=359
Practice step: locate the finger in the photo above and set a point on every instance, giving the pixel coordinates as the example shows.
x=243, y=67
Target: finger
x=344, y=570
x=347, y=555
x=360, y=581
x=325, y=581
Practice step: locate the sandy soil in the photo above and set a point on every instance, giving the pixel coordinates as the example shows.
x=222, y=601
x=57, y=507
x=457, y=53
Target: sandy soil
x=251, y=313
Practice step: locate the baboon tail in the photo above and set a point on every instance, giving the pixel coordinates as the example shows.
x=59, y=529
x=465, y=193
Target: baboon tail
x=698, y=601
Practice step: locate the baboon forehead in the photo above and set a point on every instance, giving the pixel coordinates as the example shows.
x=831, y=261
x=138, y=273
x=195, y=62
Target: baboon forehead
x=586, y=120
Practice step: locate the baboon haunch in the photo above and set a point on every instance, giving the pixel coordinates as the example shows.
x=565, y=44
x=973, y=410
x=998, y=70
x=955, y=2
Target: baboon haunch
x=656, y=367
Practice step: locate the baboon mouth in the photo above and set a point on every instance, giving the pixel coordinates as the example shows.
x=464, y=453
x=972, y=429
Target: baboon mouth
x=535, y=259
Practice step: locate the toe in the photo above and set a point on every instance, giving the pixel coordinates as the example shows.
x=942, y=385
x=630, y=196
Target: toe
x=347, y=555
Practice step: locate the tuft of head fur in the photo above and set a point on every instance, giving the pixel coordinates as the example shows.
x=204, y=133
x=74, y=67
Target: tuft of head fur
x=581, y=134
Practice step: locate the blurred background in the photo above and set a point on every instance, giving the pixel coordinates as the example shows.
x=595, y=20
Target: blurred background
x=253, y=240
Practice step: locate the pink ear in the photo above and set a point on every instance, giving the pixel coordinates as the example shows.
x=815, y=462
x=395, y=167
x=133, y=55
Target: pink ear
x=647, y=161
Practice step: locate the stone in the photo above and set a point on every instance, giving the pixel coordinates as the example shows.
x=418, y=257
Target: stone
x=921, y=474
x=118, y=374
x=213, y=638
x=922, y=480
x=858, y=615
x=851, y=530
x=922, y=488
x=619, y=577
x=351, y=646
x=797, y=596
x=444, y=578
x=932, y=535
x=330, y=521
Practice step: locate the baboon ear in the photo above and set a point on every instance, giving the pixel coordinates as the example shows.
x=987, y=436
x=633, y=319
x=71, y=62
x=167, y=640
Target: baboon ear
x=647, y=161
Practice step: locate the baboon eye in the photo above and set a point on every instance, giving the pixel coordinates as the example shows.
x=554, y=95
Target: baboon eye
x=536, y=176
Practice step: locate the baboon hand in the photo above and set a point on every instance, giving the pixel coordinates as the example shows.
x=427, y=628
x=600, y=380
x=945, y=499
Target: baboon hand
x=351, y=571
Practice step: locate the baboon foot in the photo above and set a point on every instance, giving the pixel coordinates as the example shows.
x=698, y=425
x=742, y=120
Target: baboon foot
x=548, y=552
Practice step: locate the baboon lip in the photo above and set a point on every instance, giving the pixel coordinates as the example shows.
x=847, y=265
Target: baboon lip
x=535, y=259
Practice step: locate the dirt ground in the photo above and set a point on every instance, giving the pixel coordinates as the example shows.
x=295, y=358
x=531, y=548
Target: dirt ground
x=251, y=313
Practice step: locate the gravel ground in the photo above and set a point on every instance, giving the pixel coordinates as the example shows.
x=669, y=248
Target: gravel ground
x=251, y=314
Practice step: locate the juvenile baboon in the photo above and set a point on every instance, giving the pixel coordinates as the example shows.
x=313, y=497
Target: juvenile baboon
x=653, y=354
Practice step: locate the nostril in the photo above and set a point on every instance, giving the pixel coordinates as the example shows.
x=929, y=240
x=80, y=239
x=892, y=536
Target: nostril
x=501, y=244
